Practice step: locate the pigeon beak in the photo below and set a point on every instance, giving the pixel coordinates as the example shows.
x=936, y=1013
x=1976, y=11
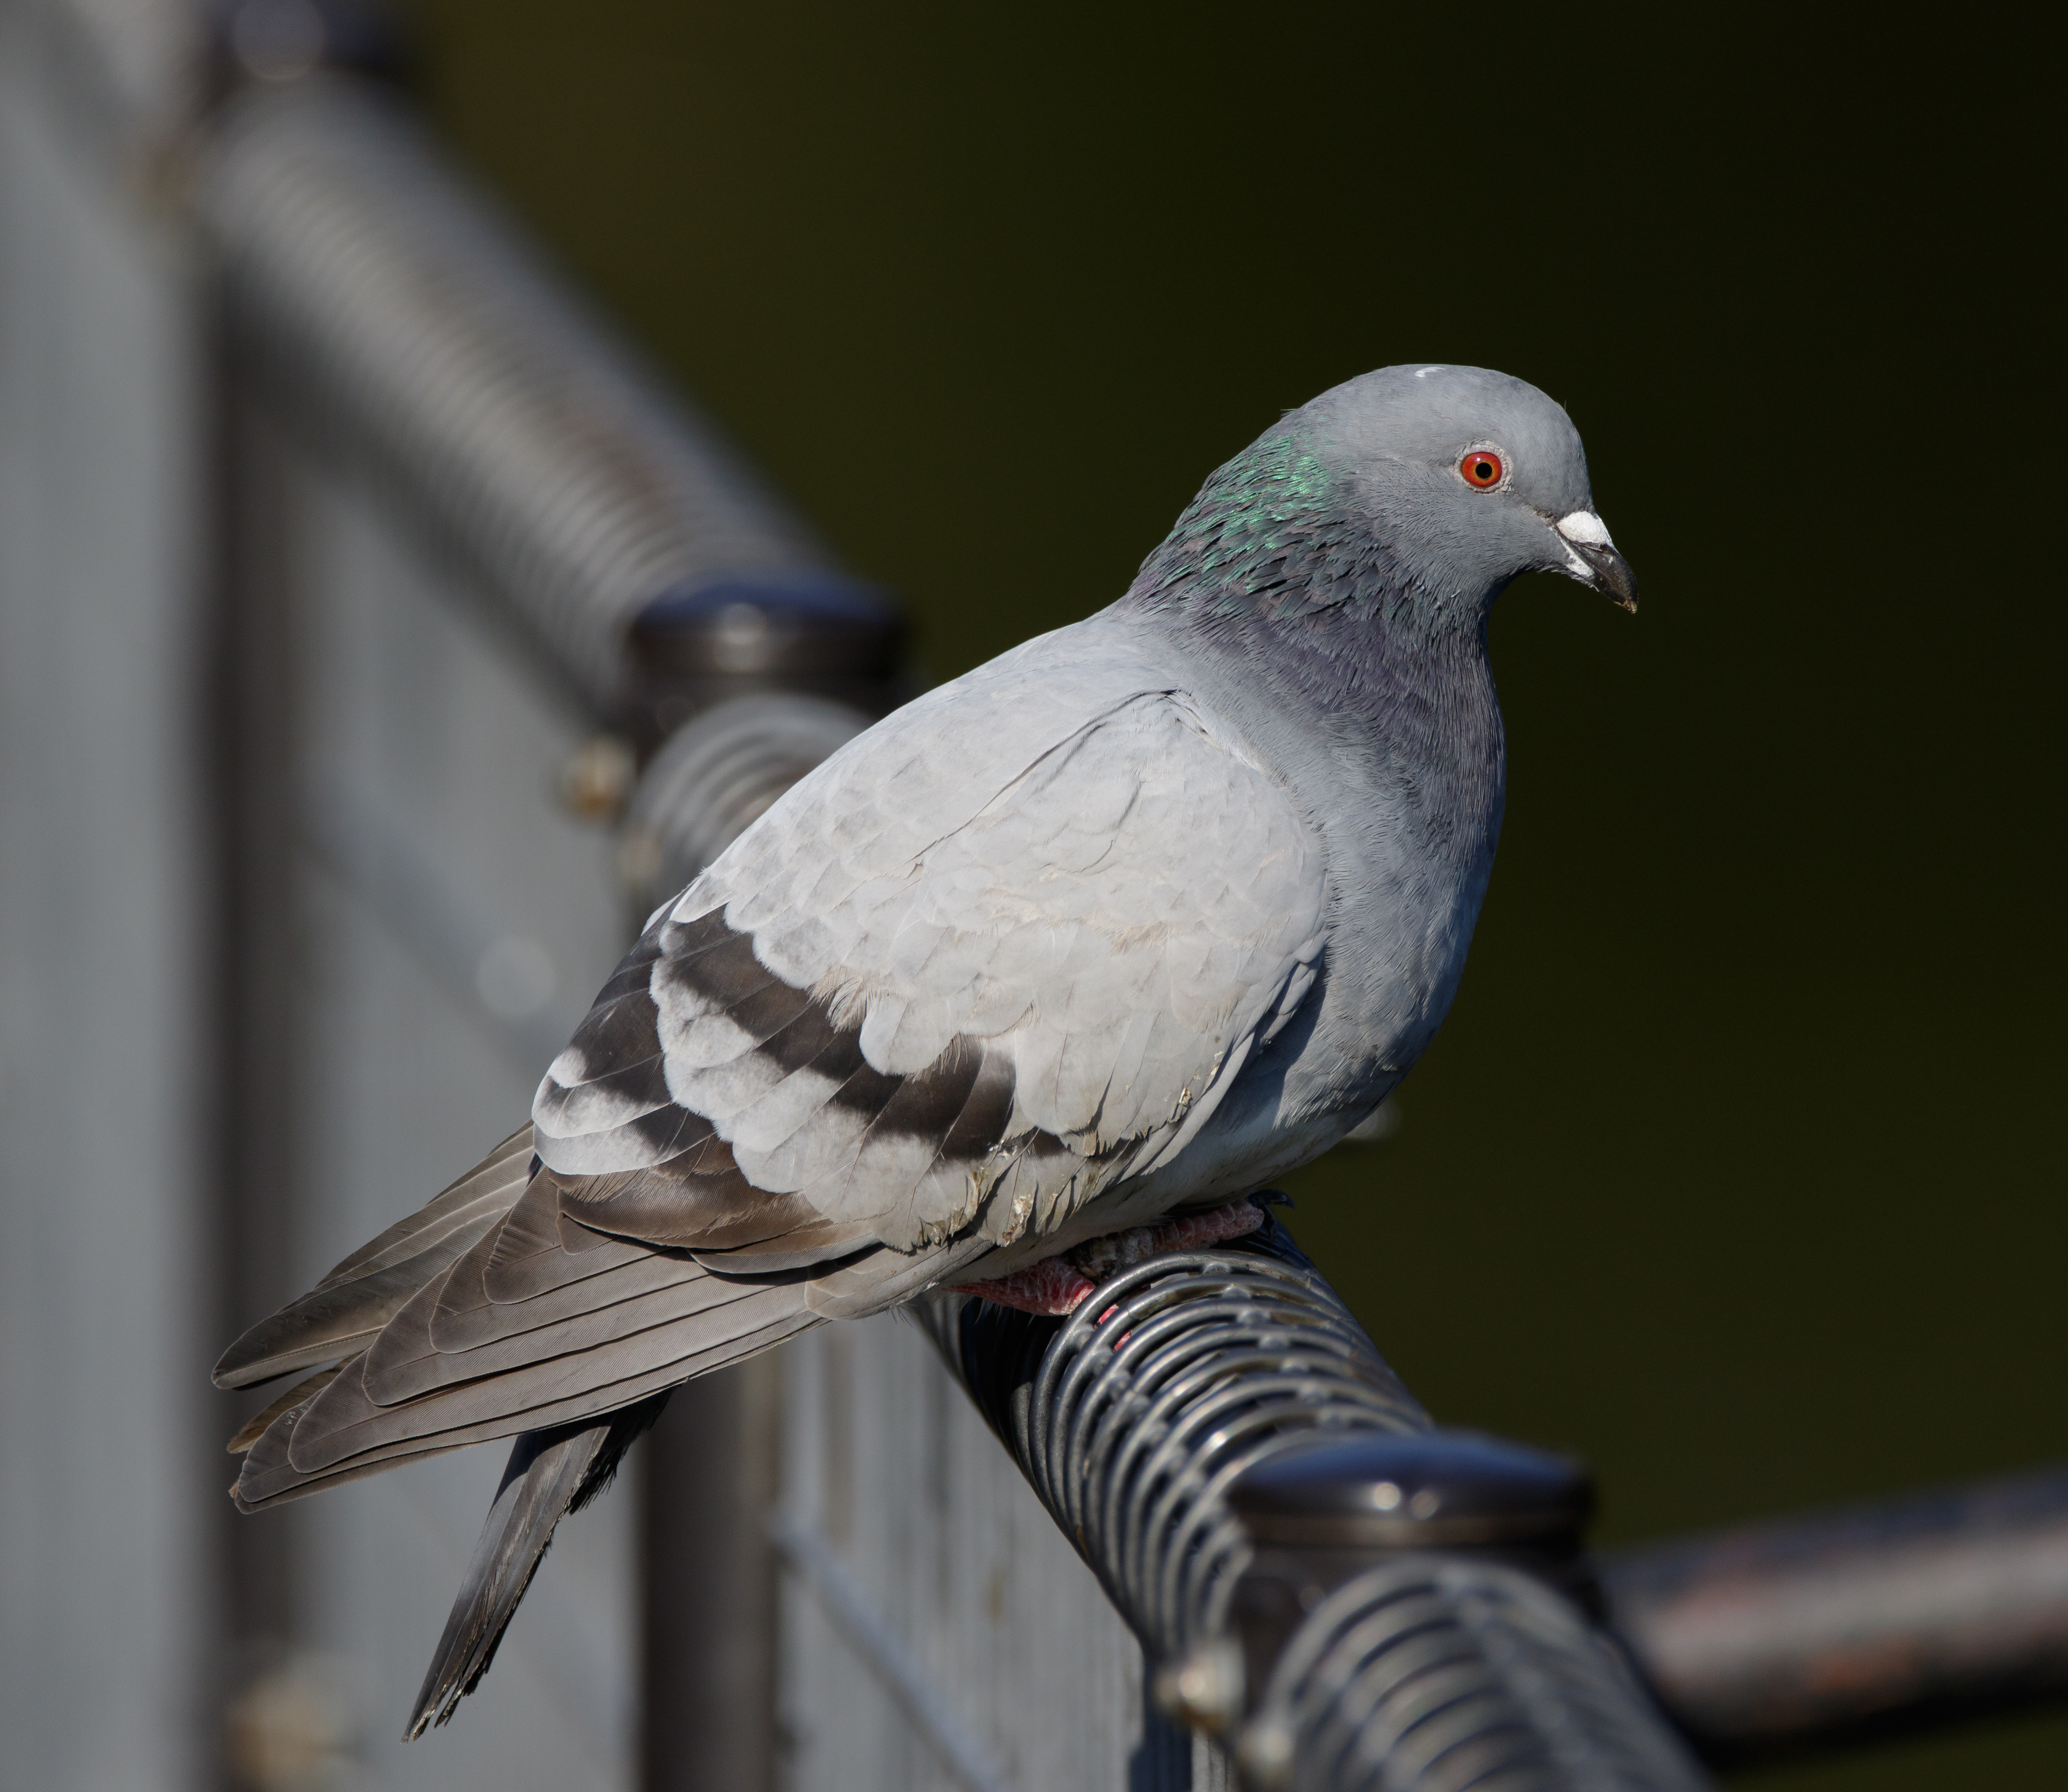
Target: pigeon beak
x=1592, y=559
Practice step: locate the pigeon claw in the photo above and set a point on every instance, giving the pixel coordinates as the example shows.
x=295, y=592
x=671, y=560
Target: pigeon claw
x=1058, y=1285
x=1054, y=1286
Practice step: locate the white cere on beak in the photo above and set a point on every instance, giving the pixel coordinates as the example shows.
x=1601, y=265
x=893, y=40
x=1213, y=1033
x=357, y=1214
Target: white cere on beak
x=1586, y=528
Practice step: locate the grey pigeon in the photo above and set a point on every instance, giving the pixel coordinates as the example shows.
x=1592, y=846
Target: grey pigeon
x=1119, y=927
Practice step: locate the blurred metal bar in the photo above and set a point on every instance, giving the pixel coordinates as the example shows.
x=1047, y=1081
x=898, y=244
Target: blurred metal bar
x=385, y=311
x=708, y=1481
x=383, y=290
x=966, y=1760
x=110, y=1487
x=1812, y=1633
x=249, y=707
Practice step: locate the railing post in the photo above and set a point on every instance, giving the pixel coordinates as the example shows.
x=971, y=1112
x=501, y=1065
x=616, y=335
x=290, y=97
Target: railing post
x=739, y=688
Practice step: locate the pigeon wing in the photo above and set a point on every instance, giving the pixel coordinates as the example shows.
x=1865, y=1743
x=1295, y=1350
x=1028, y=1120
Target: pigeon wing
x=995, y=957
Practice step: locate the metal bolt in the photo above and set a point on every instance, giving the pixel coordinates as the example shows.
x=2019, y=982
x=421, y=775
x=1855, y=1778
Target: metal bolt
x=1204, y=1687
x=596, y=781
x=1264, y=1753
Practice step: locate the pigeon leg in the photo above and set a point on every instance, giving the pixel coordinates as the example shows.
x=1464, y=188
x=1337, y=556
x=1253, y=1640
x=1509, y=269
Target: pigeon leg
x=1054, y=1286
x=1061, y=1285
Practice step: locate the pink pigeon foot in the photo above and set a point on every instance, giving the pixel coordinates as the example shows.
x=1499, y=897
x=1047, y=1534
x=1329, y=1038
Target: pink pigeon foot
x=1059, y=1285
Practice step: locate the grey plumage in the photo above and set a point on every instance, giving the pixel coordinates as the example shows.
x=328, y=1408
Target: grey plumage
x=1134, y=918
x=348, y=1307
x=550, y=1475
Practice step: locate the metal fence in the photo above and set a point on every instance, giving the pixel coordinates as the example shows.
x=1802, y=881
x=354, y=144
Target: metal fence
x=377, y=639
x=346, y=557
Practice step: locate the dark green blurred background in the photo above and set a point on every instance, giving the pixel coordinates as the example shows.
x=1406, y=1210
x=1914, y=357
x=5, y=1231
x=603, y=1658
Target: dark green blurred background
x=1735, y=1168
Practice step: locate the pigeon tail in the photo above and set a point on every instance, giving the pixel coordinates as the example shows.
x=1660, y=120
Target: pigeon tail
x=550, y=1473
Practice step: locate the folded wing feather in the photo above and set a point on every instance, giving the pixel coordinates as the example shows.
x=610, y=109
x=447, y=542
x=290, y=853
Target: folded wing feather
x=978, y=986
x=992, y=958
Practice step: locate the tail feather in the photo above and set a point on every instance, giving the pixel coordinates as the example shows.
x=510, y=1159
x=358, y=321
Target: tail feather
x=297, y=1396
x=345, y=1311
x=302, y=1450
x=550, y=1473
x=495, y=1313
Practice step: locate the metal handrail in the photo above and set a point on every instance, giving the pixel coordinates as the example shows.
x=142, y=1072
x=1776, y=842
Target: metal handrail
x=1836, y=1628
x=1439, y=1671
x=1223, y=1360
x=1173, y=1401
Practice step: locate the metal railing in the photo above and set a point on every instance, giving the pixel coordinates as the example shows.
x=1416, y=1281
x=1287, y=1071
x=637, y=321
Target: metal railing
x=1348, y=1596
x=1351, y=1597
x=1843, y=1628
x=388, y=300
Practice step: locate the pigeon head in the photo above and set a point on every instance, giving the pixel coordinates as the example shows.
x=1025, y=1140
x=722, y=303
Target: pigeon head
x=1469, y=476
x=1420, y=491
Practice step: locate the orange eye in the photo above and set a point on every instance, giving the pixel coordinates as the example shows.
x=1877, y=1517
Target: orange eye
x=1481, y=467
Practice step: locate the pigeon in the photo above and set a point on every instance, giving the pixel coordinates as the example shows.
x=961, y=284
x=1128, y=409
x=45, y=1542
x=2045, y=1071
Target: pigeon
x=1088, y=944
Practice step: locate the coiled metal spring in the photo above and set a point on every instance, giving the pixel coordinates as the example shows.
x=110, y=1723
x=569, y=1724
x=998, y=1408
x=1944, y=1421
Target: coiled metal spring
x=476, y=388
x=1131, y=1417
x=1437, y=1673
x=1430, y=1672
x=716, y=775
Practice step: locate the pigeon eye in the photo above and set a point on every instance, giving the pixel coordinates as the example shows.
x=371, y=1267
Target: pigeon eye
x=1481, y=467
